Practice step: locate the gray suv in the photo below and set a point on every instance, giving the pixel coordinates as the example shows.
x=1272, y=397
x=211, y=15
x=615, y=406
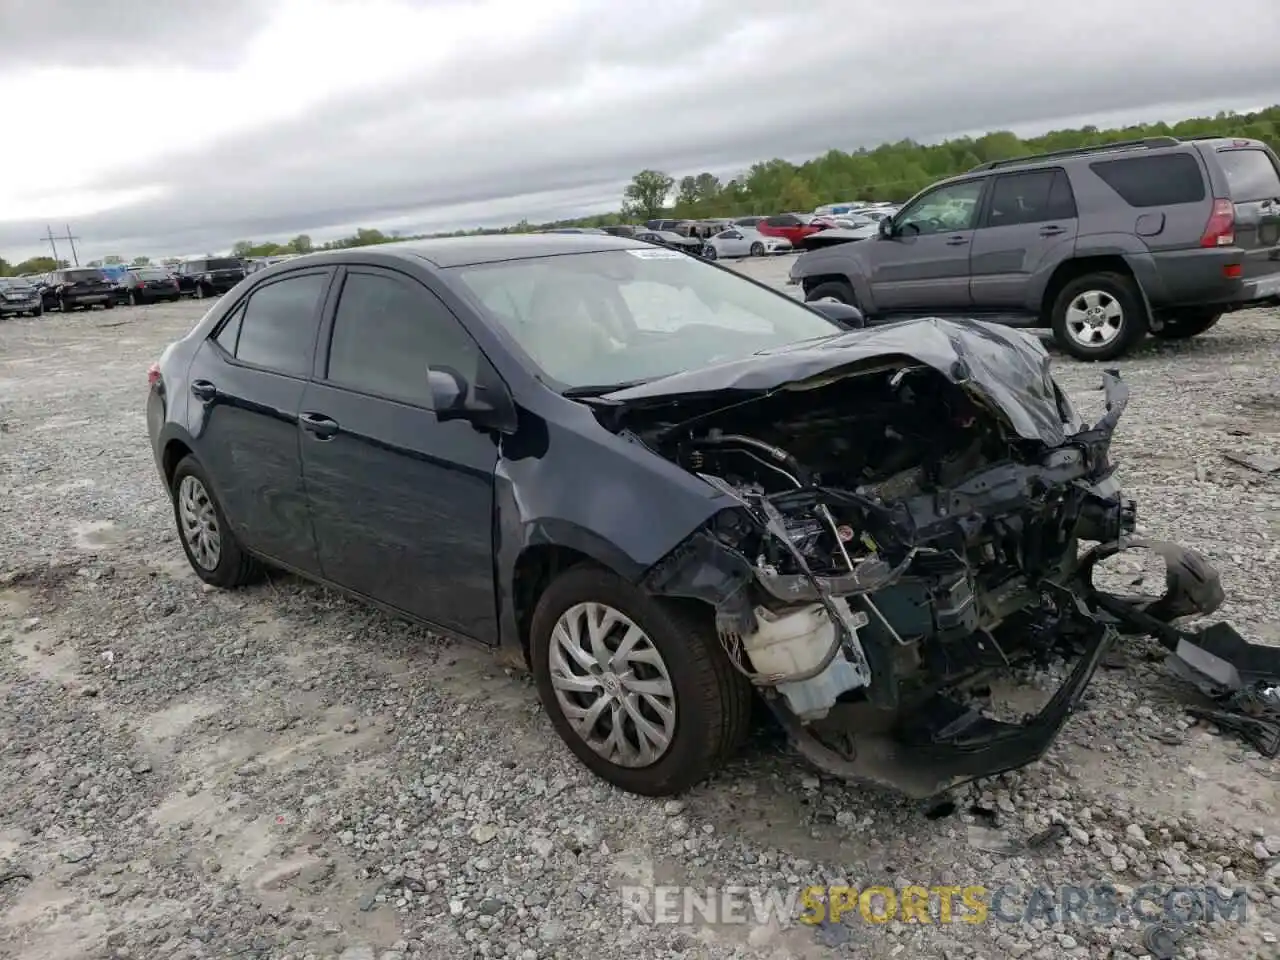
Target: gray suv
x=1102, y=244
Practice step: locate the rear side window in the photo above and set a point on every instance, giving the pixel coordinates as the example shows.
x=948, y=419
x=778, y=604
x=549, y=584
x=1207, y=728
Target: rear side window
x=1251, y=175
x=1036, y=196
x=1153, y=181
x=278, y=326
x=387, y=331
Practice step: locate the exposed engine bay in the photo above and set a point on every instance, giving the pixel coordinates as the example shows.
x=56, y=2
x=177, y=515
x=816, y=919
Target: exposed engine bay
x=898, y=536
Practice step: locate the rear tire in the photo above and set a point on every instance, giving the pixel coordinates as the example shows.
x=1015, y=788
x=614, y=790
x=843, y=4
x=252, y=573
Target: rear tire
x=832, y=290
x=62, y=306
x=133, y=298
x=109, y=305
x=1186, y=324
x=1099, y=316
x=195, y=508
x=199, y=294
x=709, y=700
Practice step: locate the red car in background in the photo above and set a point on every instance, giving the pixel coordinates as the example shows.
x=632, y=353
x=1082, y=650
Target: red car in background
x=793, y=226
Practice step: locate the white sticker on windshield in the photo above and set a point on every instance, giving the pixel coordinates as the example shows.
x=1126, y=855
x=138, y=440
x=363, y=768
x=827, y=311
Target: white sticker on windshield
x=657, y=253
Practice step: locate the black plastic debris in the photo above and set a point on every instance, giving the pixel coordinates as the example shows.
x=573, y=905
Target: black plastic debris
x=1161, y=940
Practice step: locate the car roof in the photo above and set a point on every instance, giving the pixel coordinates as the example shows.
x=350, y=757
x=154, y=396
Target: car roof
x=464, y=251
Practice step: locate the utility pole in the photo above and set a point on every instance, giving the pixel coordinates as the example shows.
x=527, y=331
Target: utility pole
x=72, y=240
x=48, y=231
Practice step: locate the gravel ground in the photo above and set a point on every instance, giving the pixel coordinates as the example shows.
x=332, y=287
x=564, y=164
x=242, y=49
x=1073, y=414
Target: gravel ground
x=281, y=772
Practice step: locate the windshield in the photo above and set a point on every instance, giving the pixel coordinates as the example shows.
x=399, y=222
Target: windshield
x=623, y=316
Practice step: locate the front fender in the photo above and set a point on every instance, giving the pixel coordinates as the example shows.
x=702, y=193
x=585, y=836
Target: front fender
x=576, y=485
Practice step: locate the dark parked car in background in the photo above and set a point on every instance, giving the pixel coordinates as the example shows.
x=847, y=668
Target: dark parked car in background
x=18, y=297
x=76, y=287
x=209, y=277
x=671, y=240
x=149, y=285
x=661, y=485
x=1100, y=244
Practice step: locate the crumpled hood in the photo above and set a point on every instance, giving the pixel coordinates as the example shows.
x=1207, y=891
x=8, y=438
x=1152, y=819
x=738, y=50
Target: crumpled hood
x=1007, y=369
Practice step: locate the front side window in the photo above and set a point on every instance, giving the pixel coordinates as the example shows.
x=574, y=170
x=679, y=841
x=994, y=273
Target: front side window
x=623, y=316
x=947, y=209
x=278, y=330
x=387, y=331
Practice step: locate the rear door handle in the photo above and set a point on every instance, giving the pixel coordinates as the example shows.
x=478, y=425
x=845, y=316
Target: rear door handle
x=204, y=389
x=1051, y=231
x=318, y=424
x=957, y=241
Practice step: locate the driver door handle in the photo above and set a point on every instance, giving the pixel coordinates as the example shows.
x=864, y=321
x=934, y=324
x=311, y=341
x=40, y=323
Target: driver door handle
x=1051, y=231
x=957, y=241
x=318, y=424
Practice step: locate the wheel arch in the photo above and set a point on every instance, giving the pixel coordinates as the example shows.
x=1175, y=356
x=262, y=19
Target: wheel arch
x=1078, y=267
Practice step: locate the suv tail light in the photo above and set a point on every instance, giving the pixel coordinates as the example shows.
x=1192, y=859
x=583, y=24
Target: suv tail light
x=153, y=374
x=1220, y=231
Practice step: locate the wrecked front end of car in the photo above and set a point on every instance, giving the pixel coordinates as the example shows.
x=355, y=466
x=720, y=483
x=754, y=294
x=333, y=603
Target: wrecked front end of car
x=912, y=508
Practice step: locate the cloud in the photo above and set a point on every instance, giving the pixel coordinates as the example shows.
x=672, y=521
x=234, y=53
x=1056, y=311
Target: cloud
x=455, y=114
x=59, y=33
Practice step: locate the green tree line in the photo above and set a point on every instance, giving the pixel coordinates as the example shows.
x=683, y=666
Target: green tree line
x=891, y=171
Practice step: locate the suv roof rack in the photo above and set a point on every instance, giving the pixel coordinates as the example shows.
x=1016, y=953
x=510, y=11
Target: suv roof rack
x=1145, y=143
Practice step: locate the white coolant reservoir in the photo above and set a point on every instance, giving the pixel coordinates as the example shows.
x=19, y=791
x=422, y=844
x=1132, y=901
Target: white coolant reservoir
x=796, y=641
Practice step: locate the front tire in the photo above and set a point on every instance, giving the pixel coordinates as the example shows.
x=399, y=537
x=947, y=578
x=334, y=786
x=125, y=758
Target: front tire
x=1186, y=324
x=211, y=547
x=757, y=249
x=832, y=290
x=709, y=252
x=1099, y=316
x=637, y=687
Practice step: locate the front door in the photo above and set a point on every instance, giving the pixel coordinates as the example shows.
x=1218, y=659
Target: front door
x=247, y=382
x=924, y=265
x=1029, y=225
x=402, y=503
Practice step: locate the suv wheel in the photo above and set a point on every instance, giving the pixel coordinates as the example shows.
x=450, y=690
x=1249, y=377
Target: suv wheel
x=199, y=294
x=133, y=298
x=211, y=548
x=836, y=290
x=638, y=688
x=63, y=307
x=1099, y=316
x=1186, y=324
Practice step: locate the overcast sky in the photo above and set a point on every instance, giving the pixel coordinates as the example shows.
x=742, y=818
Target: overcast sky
x=183, y=126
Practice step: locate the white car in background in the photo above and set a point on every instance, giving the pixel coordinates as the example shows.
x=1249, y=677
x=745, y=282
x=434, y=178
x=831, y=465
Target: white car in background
x=740, y=241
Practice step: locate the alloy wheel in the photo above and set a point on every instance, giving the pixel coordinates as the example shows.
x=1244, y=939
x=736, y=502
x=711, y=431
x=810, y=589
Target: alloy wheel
x=1094, y=318
x=612, y=685
x=199, y=522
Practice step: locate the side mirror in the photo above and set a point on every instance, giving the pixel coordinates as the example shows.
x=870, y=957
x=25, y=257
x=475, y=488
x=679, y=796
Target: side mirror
x=841, y=314
x=485, y=403
x=886, y=227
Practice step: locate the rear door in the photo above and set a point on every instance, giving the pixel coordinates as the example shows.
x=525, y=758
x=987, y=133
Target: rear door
x=402, y=502
x=1253, y=182
x=247, y=382
x=1029, y=224
x=925, y=264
